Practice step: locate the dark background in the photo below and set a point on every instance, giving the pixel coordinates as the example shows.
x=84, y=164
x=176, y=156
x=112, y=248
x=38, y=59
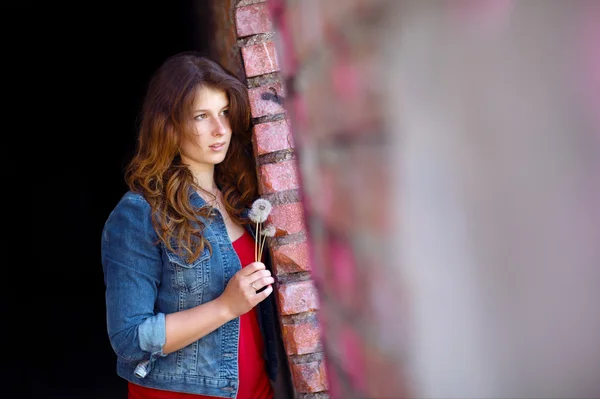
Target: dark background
x=78, y=75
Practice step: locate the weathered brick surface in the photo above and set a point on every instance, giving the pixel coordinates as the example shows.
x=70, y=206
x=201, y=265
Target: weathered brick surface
x=287, y=219
x=302, y=338
x=253, y=19
x=310, y=377
x=267, y=100
x=279, y=176
x=297, y=297
x=272, y=136
x=260, y=59
x=291, y=258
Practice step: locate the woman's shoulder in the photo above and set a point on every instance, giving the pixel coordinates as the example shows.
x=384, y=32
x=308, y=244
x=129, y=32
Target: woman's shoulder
x=133, y=200
x=131, y=205
x=128, y=225
x=134, y=197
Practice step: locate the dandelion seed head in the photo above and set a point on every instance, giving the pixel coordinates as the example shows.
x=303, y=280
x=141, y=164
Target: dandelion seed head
x=252, y=216
x=260, y=210
x=268, y=231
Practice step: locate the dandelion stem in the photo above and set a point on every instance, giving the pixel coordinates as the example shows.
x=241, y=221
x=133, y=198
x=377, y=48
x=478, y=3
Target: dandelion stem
x=262, y=245
x=259, y=240
x=256, y=244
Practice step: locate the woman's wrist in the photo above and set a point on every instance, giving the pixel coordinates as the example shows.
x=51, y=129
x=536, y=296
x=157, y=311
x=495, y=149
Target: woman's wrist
x=223, y=309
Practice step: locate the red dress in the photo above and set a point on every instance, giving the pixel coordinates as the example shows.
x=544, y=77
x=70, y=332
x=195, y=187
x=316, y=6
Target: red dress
x=254, y=382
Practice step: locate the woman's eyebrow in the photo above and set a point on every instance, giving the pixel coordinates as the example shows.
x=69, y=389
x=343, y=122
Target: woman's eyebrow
x=205, y=110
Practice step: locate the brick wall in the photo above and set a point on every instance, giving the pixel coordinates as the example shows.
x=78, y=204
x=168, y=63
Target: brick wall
x=330, y=58
x=279, y=182
x=310, y=66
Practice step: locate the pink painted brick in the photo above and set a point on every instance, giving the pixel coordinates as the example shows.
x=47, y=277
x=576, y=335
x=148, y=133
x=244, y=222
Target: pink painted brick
x=309, y=377
x=253, y=19
x=267, y=100
x=287, y=219
x=272, y=136
x=291, y=258
x=278, y=176
x=260, y=59
x=297, y=297
x=301, y=338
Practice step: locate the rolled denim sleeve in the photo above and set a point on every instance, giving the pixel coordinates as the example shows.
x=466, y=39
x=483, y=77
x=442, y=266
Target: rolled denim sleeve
x=132, y=266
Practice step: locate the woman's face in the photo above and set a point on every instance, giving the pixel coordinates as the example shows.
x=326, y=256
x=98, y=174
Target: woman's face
x=208, y=146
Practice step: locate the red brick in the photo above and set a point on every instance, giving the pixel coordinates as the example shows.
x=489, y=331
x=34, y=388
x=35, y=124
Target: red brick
x=287, y=219
x=278, y=176
x=260, y=59
x=302, y=338
x=253, y=19
x=272, y=136
x=309, y=377
x=297, y=297
x=291, y=258
x=323, y=373
x=267, y=100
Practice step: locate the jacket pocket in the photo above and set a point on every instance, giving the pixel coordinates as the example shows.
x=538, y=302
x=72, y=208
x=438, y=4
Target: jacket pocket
x=190, y=277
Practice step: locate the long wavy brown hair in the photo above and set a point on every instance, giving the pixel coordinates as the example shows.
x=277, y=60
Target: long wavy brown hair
x=156, y=170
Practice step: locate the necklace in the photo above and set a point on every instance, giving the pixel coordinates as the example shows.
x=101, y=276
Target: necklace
x=216, y=203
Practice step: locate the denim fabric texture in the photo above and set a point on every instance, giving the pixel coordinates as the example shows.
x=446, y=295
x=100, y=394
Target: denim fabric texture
x=145, y=281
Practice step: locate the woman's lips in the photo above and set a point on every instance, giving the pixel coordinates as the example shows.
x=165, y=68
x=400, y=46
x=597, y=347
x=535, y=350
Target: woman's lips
x=217, y=147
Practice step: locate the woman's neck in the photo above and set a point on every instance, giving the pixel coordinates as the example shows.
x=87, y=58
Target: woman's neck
x=210, y=187
x=205, y=179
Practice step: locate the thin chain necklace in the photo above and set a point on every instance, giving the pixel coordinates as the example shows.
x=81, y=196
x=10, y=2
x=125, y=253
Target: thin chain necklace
x=216, y=203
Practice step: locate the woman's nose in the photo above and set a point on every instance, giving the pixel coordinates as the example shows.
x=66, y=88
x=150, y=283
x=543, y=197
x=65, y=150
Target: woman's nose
x=219, y=128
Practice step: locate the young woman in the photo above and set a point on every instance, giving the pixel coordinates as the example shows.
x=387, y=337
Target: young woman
x=189, y=311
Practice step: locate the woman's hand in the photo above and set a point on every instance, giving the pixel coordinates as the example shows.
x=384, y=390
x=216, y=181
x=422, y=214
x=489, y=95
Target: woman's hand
x=241, y=294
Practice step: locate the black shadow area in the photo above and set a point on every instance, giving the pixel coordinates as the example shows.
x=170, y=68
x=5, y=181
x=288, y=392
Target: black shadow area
x=82, y=73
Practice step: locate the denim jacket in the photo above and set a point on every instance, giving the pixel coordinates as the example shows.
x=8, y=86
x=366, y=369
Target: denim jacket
x=145, y=281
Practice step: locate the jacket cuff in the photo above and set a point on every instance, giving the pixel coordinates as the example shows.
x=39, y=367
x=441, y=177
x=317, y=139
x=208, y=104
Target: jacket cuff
x=152, y=336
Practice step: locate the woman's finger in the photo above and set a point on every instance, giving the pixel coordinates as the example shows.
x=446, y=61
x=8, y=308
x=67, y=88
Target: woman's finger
x=251, y=268
x=261, y=295
x=257, y=275
x=257, y=285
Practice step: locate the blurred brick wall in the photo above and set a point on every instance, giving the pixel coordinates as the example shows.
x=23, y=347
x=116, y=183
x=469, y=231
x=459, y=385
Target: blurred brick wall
x=276, y=161
x=410, y=132
x=329, y=58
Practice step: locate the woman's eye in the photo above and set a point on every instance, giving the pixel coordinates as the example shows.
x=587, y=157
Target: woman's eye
x=201, y=116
